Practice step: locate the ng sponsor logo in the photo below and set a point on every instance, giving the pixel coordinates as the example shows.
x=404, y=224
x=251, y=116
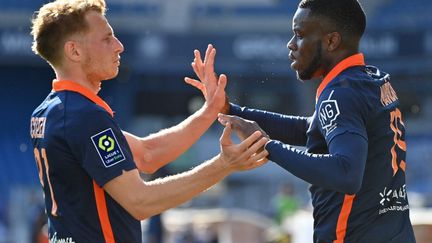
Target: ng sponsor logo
x=328, y=112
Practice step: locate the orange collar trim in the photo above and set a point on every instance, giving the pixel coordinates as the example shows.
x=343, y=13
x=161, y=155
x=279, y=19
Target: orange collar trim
x=354, y=60
x=61, y=85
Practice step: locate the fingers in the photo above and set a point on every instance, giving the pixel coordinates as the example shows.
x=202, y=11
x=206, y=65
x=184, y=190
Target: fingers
x=235, y=121
x=197, y=84
x=222, y=83
x=208, y=51
x=198, y=65
x=209, y=62
x=258, y=146
x=245, y=144
x=258, y=159
x=222, y=122
x=224, y=119
x=198, y=59
x=196, y=69
x=261, y=156
x=225, y=139
x=206, y=67
x=255, y=158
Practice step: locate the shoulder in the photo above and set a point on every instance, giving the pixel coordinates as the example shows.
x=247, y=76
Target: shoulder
x=363, y=83
x=362, y=78
x=70, y=106
x=359, y=77
x=334, y=95
x=82, y=116
x=340, y=103
x=79, y=109
x=76, y=102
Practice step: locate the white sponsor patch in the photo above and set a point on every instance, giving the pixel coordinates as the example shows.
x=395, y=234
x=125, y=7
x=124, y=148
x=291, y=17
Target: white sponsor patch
x=393, y=200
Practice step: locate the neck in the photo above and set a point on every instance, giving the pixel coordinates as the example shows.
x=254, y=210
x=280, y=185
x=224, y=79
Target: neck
x=80, y=79
x=337, y=58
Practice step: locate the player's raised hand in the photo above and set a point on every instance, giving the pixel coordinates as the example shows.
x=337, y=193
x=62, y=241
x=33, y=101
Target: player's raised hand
x=211, y=86
x=243, y=156
x=243, y=128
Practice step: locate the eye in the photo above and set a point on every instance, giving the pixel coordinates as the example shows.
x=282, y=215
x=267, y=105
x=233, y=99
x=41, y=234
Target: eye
x=107, y=39
x=297, y=35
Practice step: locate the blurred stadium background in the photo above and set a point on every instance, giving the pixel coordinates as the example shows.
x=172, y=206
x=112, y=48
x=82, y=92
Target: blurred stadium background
x=149, y=94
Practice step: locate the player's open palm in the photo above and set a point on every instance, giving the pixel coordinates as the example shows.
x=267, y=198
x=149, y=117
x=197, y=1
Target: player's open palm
x=248, y=154
x=211, y=86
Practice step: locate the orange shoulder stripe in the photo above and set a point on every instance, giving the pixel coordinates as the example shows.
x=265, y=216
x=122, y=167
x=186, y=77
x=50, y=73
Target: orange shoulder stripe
x=60, y=85
x=354, y=60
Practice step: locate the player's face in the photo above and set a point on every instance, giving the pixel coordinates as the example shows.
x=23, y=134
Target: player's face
x=102, y=49
x=305, y=49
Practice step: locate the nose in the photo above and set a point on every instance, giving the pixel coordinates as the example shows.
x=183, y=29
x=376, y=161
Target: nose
x=119, y=47
x=291, y=44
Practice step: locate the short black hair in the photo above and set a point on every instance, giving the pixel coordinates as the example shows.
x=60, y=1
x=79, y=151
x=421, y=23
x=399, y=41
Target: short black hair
x=347, y=16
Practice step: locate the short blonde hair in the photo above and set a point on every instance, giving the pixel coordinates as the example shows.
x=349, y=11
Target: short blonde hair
x=56, y=21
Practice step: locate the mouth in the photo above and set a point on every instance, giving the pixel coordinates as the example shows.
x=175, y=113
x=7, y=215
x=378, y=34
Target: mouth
x=291, y=57
x=294, y=62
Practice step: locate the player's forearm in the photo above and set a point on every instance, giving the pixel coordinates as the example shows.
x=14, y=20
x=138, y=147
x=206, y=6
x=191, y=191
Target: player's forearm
x=340, y=171
x=161, y=148
x=174, y=190
x=288, y=129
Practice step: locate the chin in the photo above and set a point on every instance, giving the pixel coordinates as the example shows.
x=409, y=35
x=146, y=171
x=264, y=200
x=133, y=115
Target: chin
x=303, y=77
x=112, y=76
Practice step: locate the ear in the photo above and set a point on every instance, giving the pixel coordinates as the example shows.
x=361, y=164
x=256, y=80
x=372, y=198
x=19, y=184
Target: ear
x=72, y=51
x=333, y=41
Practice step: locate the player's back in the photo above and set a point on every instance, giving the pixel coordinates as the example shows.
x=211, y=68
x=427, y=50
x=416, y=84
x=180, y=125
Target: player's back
x=58, y=126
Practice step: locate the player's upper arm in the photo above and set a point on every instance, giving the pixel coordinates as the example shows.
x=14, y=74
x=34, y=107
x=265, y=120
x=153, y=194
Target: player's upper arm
x=141, y=153
x=341, y=110
x=129, y=190
x=99, y=148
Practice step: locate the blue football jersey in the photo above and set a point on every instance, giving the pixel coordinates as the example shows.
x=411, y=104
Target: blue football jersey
x=353, y=101
x=78, y=148
x=361, y=100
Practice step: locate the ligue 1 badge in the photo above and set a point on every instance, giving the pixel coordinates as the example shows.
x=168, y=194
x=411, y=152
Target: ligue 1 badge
x=108, y=148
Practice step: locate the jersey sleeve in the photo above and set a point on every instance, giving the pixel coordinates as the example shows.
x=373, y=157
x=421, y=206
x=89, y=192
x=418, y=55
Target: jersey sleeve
x=344, y=165
x=99, y=144
x=288, y=129
x=341, y=110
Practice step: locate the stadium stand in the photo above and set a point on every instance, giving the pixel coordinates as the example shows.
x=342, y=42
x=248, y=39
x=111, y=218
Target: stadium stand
x=403, y=15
